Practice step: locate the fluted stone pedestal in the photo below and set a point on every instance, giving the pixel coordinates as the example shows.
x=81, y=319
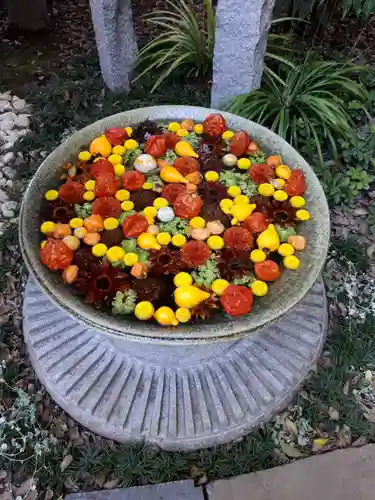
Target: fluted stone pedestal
x=174, y=396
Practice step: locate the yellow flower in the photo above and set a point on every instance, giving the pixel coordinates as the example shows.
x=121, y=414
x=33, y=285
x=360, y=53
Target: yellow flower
x=226, y=205
x=119, y=169
x=227, y=135
x=174, y=127
x=115, y=254
x=127, y=205
x=215, y=242
x=47, y=227
x=51, y=195
x=160, y=203
x=122, y=195
x=148, y=185
x=297, y=201
x=280, y=195
x=244, y=163
x=144, y=310
x=111, y=223
x=283, y=171
x=178, y=240
x=183, y=314
x=266, y=189
x=182, y=132
x=163, y=238
x=259, y=288
x=258, y=256
x=90, y=185
x=130, y=259
x=198, y=129
x=211, y=176
x=285, y=249
x=118, y=150
x=99, y=250
x=197, y=223
x=129, y=131
x=219, y=286
x=115, y=159
x=130, y=144
x=234, y=191
x=43, y=244
x=101, y=146
x=150, y=211
x=291, y=262
x=88, y=195
x=182, y=279
x=302, y=214
x=84, y=156
x=76, y=222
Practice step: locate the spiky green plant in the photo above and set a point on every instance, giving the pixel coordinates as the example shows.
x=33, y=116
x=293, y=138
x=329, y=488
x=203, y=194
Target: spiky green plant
x=182, y=42
x=311, y=97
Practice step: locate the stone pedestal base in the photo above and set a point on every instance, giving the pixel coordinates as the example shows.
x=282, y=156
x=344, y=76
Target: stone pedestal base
x=173, y=396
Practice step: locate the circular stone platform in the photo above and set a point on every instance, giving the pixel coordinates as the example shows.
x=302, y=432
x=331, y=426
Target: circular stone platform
x=177, y=397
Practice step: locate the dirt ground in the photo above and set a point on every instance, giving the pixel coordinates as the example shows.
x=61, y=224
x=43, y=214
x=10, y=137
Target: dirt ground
x=32, y=59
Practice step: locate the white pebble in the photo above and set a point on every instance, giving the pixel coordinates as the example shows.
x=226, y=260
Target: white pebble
x=22, y=121
x=19, y=105
x=8, y=157
x=6, y=96
x=9, y=172
x=145, y=163
x=165, y=214
x=2, y=182
x=3, y=196
x=229, y=160
x=9, y=115
x=6, y=124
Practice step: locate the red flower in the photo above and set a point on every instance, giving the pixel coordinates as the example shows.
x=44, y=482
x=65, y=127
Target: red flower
x=261, y=172
x=195, y=253
x=238, y=238
x=214, y=125
x=133, y=180
x=156, y=146
x=56, y=255
x=116, y=136
x=237, y=300
x=134, y=225
x=239, y=143
x=107, y=206
x=101, y=167
x=72, y=192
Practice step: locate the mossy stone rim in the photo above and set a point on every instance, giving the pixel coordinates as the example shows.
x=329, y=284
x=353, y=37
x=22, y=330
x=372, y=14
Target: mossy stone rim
x=284, y=294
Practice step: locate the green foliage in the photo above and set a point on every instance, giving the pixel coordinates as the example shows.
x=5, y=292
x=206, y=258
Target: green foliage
x=182, y=43
x=130, y=245
x=361, y=8
x=204, y=275
x=242, y=180
x=84, y=210
x=342, y=185
x=130, y=156
x=245, y=279
x=176, y=226
x=155, y=180
x=359, y=148
x=351, y=250
x=124, y=302
x=311, y=97
x=285, y=232
x=371, y=218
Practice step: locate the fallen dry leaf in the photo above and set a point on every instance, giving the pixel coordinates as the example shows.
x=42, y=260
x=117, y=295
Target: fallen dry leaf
x=291, y=427
x=345, y=389
x=361, y=441
x=290, y=450
x=68, y=459
x=202, y=481
x=333, y=413
x=48, y=494
x=108, y=485
x=25, y=487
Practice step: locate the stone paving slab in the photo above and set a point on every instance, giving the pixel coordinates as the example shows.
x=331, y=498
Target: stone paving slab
x=340, y=475
x=179, y=490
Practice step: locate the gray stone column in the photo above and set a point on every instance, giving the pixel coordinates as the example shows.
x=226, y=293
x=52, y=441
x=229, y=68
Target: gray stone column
x=241, y=40
x=115, y=40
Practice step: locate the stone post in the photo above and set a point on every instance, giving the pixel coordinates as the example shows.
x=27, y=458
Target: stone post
x=241, y=40
x=115, y=39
